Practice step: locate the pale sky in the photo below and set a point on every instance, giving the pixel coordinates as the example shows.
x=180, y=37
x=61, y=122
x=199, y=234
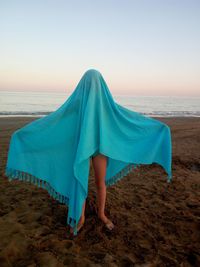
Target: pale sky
x=143, y=47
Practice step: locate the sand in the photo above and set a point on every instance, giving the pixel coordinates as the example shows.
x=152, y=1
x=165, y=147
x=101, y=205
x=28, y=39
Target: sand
x=156, y=223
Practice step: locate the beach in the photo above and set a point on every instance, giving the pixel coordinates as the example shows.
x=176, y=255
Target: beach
x=156, y=223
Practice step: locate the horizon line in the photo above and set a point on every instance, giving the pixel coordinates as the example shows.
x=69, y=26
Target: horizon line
x=113, y=93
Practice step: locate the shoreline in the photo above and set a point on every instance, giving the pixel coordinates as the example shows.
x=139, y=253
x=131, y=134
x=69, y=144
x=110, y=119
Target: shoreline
x=153, y=116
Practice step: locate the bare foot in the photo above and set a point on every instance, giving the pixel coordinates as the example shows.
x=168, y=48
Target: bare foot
x=108, y=223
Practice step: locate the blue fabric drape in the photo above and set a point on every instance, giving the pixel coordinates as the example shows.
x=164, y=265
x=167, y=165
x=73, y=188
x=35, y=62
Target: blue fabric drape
x=54, y=151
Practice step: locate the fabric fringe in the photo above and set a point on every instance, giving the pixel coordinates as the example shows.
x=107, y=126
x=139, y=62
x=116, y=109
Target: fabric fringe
x=126, y=170
x=14, y=174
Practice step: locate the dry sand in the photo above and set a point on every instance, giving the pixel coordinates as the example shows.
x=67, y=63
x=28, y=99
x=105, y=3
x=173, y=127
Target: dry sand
x=156, y=223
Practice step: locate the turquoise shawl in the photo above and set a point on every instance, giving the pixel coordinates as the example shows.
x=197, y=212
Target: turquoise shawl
x=54, y=151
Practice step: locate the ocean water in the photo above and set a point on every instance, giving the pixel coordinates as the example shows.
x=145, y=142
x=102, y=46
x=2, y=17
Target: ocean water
x=42, y=103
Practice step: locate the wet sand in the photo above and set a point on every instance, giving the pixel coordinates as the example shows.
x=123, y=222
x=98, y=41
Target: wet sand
x=156, y=223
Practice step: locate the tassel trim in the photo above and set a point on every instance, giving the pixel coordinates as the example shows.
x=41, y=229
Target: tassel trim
x=126, y=170
x=14, y=174
x=26, y=177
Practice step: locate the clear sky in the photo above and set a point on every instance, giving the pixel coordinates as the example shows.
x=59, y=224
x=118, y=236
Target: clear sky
x=143, y=47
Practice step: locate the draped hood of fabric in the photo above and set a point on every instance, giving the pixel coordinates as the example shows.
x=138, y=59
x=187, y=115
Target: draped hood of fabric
x=54, y=151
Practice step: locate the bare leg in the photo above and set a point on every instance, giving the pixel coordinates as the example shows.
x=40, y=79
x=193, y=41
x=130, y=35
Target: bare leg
x=83, y=212
x=99, y=164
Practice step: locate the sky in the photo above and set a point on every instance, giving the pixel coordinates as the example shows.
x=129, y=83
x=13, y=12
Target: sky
x=143, y=47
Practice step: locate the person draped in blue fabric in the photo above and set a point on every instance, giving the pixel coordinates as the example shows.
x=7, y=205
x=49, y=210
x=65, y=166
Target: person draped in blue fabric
x=54, y=151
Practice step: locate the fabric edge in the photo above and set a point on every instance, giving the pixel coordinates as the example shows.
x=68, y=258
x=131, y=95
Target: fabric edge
x=14, y=174
x=128, y=169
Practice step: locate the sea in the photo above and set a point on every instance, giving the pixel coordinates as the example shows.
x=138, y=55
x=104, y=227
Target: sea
x=21, y=103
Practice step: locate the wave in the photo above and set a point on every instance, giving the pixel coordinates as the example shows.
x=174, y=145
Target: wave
x=152, y=113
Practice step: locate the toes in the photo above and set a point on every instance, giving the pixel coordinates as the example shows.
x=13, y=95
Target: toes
x=110, y=225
